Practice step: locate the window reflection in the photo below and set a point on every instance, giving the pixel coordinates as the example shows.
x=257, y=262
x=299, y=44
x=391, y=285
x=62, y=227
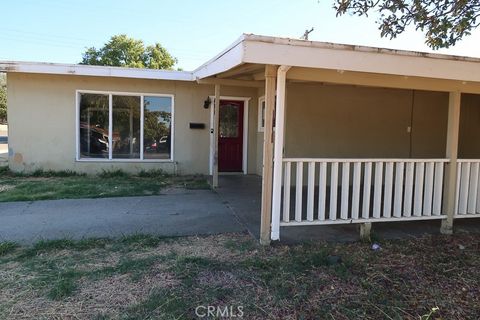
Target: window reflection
x=94, y=126
x=229, y=120
x=126, y=127
x=157, y=126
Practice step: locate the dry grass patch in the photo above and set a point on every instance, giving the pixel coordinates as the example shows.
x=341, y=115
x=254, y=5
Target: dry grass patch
x=146, y=277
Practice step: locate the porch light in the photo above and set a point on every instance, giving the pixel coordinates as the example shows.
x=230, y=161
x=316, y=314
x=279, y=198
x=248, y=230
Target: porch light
x=206, y=103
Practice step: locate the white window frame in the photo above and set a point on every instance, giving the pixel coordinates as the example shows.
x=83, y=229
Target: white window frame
x=260, y=115
x=261, y=100
x=110, y=124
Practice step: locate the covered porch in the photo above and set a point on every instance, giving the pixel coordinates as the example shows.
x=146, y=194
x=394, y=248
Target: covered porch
x=242, y=194
x=362, y=135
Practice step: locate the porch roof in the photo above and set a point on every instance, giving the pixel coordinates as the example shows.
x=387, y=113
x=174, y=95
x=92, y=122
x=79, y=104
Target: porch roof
x=246, y=57
x=246, y=54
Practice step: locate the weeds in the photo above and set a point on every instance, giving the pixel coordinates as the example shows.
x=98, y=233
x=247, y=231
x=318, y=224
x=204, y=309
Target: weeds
x=7, y=247
x=161, y=304
x=4, y=170
x=64, y=285
x=40, y=173
x=154, y=173
x=45, y=246
x=144, y=240
x=113, y=174
x=145, y=277
x=47, y=185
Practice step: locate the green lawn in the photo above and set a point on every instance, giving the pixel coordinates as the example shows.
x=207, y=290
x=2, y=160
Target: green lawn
x=146, y=277
x=68, y=185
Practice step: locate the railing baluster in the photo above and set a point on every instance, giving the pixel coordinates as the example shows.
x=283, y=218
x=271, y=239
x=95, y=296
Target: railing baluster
x=387, y=201
x=286, y=191
x=477, y=210
x=464, y=183
x=419, y=179
x=438, y=189
x=299, y=192
x=367, y=187
x=377, y=196
x=473, y=189
x=407, y=203
x=311, y=190
x=397, y=207
x=322, y=190
x=357, y=170
x=345, y=189
x=428, y=195
x=457, y=193
x=333, y=190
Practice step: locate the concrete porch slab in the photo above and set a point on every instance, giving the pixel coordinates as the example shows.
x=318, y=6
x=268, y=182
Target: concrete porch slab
x=242, y=194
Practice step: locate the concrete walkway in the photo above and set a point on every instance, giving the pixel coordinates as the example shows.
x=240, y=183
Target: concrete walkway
x=234, y=207
x=178, y=212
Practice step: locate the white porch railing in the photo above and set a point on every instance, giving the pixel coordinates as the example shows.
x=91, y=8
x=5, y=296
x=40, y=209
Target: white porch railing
x=339, y=191
x=468, y=189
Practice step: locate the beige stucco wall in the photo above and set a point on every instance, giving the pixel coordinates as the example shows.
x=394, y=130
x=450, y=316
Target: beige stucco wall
x=469, y=140
x=334, y=121
x=41, y=113
x=340, y=121
x=321, y=121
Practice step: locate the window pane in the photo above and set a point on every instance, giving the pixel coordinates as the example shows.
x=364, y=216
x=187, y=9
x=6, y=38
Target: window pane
x=157, y=132
x=263, y=114
x=229, y=121
x=93, y=125
x=126, y=127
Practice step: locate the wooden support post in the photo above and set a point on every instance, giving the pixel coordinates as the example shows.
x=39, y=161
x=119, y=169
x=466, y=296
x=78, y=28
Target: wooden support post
x=450, y=190
x=216, y=118
x=365, y=231
x=267, y=173
x=278, y=151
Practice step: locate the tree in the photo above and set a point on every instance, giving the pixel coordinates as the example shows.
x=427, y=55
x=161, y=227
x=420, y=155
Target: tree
x=122, y=51
x=3, y=98
x=445, y=22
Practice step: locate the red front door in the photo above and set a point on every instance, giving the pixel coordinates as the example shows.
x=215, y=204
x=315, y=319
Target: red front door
x=230, y=138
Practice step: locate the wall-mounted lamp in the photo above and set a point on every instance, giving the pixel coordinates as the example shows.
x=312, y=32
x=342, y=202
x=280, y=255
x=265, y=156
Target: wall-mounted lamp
x=206, y=103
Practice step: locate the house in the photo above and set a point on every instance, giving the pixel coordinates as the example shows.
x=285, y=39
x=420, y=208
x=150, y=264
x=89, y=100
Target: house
x=340, y=134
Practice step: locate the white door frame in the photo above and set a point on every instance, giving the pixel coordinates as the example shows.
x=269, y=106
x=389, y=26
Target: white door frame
x=246, y=101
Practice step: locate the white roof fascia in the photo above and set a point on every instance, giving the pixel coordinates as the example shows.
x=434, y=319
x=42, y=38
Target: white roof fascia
x=283, y=51
x=224, y=61
x=98, y=71
x=297, y=53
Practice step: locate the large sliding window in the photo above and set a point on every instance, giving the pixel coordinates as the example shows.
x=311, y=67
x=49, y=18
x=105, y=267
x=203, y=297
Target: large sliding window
x=117, y=127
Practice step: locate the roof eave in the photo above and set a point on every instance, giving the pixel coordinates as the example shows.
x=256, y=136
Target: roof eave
x=229, y=58
x=96, y=71
x=298, y=53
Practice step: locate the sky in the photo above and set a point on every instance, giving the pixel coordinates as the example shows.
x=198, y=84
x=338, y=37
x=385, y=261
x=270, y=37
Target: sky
x=193, y=31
